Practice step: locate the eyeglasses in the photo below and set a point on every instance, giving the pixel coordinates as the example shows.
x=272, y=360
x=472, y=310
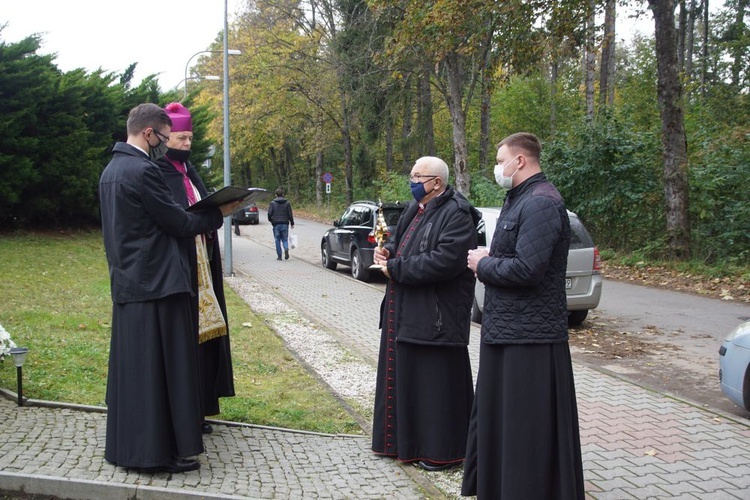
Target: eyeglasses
x=161, y=136
x=415, y=177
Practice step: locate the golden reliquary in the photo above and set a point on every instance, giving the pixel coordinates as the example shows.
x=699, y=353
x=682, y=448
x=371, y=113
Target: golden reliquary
x=381, y=231
x=381, y=228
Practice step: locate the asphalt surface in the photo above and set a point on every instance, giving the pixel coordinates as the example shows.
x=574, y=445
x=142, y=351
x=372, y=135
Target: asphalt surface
x=636, y=443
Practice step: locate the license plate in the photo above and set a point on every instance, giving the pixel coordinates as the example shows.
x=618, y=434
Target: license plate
x=568, y=283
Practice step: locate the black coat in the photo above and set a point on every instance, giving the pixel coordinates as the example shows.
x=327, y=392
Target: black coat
x=217, y=378
x=434, y=287
x=144, y=229
x=524, y=276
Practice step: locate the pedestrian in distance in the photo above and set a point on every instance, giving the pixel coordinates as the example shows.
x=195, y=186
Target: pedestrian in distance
x=209, y=305
x=523, y=438
x=280, y=215
x=153, y=398
x=424, y=388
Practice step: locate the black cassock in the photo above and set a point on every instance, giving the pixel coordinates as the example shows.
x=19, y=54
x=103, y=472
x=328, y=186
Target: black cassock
x=523, y=439
x=153, y=403
x=214, y=355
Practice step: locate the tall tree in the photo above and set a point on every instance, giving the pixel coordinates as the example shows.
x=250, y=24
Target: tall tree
x=674, y=141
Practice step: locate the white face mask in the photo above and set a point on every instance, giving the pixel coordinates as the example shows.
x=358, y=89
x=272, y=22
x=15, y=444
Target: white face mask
x=501, y=178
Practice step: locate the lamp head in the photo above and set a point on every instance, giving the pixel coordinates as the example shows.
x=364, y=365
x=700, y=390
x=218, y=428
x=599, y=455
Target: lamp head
x=19, y=355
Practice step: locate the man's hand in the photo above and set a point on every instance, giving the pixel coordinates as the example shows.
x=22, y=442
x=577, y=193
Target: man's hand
x=380, y=256
x=475, y=256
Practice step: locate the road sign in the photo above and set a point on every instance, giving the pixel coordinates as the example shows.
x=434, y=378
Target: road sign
x=328, y=177
x=328, y=187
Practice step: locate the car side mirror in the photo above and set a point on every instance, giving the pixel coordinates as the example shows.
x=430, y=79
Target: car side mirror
x=336, y=222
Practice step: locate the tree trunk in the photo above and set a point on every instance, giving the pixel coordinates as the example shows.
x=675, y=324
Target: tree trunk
x=739, y=49
x=681, y=37
x=674, y=143
x=553, y=94
x=704, y=55
x=346, y=136
x=406, y=151
x=589, y=59
x=388, y=139
x=425, y=111
x=454, y=99
x=484, y=120
x=607, y=70
x=319, y=178
x=690, y=42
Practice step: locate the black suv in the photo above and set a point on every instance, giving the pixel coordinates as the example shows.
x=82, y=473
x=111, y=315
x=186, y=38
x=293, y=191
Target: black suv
x=352, y=239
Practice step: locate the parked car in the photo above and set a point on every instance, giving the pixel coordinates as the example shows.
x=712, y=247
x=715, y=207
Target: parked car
x=351, y=242
x=734, y=366
x=583, y=280
x=248, y=215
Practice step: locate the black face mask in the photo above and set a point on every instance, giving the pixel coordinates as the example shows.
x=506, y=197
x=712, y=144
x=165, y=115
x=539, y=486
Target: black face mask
x=180, y=155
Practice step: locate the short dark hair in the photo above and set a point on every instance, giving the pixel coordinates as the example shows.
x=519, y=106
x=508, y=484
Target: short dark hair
x=147, y=115
x=279, y=192
x=529, y=143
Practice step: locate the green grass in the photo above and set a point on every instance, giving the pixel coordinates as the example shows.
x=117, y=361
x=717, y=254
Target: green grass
x=56, y=302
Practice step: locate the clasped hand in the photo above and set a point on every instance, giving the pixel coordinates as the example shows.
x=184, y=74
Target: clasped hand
x=475, y=256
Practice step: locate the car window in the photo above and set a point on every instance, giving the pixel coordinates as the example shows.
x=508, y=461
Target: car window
x=348, y=216
x=356, y=216
x=579, y=237
x=391, y=215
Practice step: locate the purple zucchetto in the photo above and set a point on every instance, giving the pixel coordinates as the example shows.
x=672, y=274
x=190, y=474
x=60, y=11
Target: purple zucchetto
x=180, y=115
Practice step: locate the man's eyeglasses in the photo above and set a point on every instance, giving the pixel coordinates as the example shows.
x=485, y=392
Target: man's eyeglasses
x=416, y=177
x=161, y=136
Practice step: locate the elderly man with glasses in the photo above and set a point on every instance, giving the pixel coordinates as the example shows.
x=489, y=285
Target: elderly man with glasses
x=424, y=388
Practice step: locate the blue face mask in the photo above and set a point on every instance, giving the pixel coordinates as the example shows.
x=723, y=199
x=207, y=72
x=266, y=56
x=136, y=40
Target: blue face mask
x=417, y=190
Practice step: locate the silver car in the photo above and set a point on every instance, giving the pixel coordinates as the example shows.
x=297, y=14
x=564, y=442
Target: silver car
x=583, y=280
x=734, y=366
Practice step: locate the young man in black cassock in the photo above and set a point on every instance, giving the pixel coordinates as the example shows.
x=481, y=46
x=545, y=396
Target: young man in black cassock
x=424, y=387
x=153, y=403
x=524, y=439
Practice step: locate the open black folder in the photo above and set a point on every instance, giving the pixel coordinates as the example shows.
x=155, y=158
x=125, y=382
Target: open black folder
x=228, y=194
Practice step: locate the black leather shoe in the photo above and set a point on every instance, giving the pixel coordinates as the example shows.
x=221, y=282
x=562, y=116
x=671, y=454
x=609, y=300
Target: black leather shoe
x=286, y=254
x=431, y=466
x=177, y=465
x=206, y=428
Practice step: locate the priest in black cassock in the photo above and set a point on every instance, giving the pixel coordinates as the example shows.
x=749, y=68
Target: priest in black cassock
x=209, y=305
x=424, y=387
x=524, y=440
x=153, y=401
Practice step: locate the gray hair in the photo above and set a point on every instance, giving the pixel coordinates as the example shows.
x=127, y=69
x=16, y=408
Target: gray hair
x=435, y=166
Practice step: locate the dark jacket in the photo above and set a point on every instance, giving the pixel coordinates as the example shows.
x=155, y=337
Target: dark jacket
x=142, y=225
x=434, y=289
x=524, y=276
x=280, y=211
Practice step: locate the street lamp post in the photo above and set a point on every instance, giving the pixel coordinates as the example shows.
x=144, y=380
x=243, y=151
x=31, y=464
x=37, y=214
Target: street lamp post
x=228, y=270
x=207, y=77
x=232, y=52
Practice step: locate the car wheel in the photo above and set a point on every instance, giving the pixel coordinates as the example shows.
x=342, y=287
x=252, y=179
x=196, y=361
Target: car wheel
x=359, y=272
x=575, y=318
x=325, y=254
x=476, y=313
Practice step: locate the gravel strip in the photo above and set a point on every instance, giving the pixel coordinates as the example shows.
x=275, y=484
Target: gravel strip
x=352, y=379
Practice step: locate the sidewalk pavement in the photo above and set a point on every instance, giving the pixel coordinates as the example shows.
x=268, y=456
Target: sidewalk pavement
x=637, y=443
